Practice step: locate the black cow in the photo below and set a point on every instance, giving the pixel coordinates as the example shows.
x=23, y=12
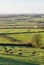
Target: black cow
x=34, y=52
x=20, y=53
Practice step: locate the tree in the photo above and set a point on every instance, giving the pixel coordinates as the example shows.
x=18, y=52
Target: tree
x=36, y=40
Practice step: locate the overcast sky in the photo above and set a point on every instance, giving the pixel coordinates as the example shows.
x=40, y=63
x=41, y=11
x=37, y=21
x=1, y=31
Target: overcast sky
x=21, y=6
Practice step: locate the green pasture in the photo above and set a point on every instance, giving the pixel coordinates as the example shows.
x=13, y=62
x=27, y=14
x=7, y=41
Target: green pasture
x=19, y=30
x=25, y=58
x=26, y=37
x=23, y=35
x=5, y=40
x=20, y=55
x=7, y=61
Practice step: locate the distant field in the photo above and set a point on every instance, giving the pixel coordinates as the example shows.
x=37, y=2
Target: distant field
x=19, y=30
x=12, y=30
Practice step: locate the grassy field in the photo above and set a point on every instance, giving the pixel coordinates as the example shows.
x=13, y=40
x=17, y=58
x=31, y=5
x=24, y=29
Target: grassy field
x=16, y=54
x=23, y=35
x=13, y=62
x=26, y=37
x=19, y=30
x=18, y=36
x=27, y=56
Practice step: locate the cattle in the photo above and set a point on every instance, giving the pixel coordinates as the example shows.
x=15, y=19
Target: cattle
x=20, y=50
x=6, y=51
x=5, y=48
x=20, y=54
x=34, y=52
x=10, y=49
x=11, y=52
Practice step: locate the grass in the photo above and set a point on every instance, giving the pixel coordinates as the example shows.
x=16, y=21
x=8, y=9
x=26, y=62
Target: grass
x=26, y=57
x=26, y=37
x=18, y=35
x=4, y=39
x=12, y=30
x=6, y=61
x=22, y=37
x=18, y=30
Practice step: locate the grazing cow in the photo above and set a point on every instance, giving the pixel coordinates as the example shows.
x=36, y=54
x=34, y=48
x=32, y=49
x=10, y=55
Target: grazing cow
x=5, y=48
x=6, y=51
x=34, y=52
x=20, y=53
x=10, y=49
x=20, y=50
x=11, y=52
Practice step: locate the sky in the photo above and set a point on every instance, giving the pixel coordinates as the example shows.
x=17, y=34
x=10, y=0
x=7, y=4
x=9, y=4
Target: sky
x=21, y=6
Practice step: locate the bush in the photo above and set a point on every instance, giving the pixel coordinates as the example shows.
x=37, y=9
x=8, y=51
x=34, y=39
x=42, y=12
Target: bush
x=36, y=40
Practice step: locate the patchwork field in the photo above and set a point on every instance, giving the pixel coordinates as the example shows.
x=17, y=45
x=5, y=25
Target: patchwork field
x=19, y=36
x=20, y=55
x=22, y=39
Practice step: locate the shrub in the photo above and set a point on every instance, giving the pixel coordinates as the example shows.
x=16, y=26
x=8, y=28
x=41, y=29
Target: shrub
x=36, y=40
